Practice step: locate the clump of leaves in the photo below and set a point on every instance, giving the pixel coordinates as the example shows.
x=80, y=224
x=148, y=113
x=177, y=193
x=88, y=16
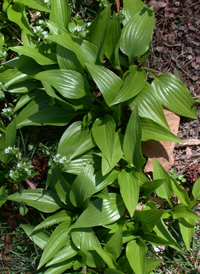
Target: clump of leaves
x=97, y=85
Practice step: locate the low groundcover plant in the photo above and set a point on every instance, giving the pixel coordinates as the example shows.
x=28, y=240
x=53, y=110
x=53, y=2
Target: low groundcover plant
x=96, y=88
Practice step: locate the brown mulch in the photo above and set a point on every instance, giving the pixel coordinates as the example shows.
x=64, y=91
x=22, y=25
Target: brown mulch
x=176, y=49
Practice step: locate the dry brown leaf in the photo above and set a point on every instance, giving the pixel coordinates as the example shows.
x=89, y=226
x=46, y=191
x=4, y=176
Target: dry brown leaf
x=157, y=5
x=162, y=151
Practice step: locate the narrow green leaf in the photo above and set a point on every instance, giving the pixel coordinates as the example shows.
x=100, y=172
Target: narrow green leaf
x=136, y=34
x=81, y=48
x=131, y=8
x=114, y=245
x=65, y=253
x=162, y=231
x=134, y=81
x=3, y=195
x=111, y=44
x=132, y=141
x=180, y=192
x=59, y=268
x=39, y=237
x=154, y=239
x=129, y=189
x=184, y=211
x=149, y=105
x=187, y=226
x=60, y=184
x=57, y=218
x=196, y=190
x=75, y=141
x=16, y=13
x=46, y=201
x=174, y=95
x=68, y=83
x=35, y=4
x=55, y=243
x=107, y=82
x=85, y=239
x=60, y=12
x=154, y=131
x=101, y=212
x=98, y=31
x=1, y=41
x=136, y=253
x=148, y=187
x=165, y=191
x=113, y=271
x=67, y=59
x=42, y=59
x=108, y=141
x=83, y=187
x=106, y=256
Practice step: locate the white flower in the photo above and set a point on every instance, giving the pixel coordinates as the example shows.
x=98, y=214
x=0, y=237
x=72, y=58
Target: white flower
x=26, y=169
x=19, y=165
x=41, y=21
x=8, y=150
x=38, y=13
x=6, y=109
x=78, y=28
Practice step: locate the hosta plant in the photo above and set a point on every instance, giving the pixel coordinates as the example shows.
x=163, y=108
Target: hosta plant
x=97, y=89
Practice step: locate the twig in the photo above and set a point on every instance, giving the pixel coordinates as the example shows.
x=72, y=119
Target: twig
x=192, y=5
x=188, y=142
x=118, y=5
x=171, y=46
x=151, y=70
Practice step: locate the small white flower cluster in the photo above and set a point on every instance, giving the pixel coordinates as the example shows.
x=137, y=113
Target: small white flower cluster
x=58, y=159
x=22, y=168
x=78, y=28
x=7, y=111
x=10, y=150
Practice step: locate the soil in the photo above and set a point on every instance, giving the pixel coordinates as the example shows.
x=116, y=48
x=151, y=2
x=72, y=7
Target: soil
x=176, y=49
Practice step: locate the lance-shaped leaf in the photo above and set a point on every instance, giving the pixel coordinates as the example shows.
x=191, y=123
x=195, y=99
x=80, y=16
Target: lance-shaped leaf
x=132, y=141
x=129, y=189
x=196, y=190
x=184, y=211
x=84, y=239
x=162, y=231
x=154, y=239
x=83, y=187
x=61, y=186
x=75, y=141
x=154, y=131
x=60, y=12
x=174, y=95
x=136, y=34
x=149, y=105
x=131, y=8
x=65, y=253
x=35, y=4
x=67, y=59
x=38, y=112
x=81, y=48
x=39, y=237
x=114, y=245
x=101, y=212
x=42, y=59
x=113, y=271
x=148, y=187
x=68, y=83
x=98, y=31
x=148, y=218
x=108, y=141
x=106, y=256
x=43, y=200
x=16, y=13
x=57, y=218
x=136, y=254
x=107, y=82
x=111, y=44
x=165, y=191
x=180, y=192
x=134, y=81
x=7, y=139
x=187, y=226
x=57, y=240
x=60, y=267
